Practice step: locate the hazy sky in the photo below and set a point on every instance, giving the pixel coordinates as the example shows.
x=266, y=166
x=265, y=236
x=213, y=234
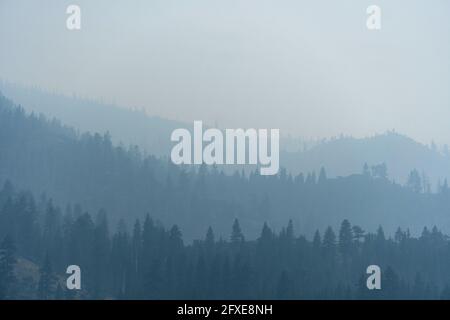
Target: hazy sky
x=310, y=68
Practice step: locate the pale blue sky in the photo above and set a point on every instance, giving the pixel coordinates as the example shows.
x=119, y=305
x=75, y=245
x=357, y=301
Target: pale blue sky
x=310, y=68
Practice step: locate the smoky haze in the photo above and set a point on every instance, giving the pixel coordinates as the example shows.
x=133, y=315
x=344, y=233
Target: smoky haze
x=310, y=68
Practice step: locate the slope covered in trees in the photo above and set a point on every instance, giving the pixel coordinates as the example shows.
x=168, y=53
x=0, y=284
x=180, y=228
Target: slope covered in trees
x=125, y=125
x=147, y=261
x=46, y=157
x=341, y=156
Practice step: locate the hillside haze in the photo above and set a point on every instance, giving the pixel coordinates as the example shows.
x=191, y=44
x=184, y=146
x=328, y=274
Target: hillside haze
x=346, y=155
x=341, y=156
x=88, y=169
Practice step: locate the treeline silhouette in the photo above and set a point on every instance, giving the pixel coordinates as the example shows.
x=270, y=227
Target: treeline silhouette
x=400, y=152
x=42, y=155
x=147, y=261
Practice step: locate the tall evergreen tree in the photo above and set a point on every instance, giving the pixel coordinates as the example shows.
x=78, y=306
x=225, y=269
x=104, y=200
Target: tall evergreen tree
x=236, y=233
x=47, y=280
x=322, y=176
x=7, y=263
x=345, y=240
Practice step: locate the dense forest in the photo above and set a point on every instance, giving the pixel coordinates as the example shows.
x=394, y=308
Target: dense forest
x=106, y=208
x=147, y=261
x=43, y=156
x=342, y=155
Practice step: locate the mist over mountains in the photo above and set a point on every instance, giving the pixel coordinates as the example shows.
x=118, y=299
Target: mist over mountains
x=345, y=155
x=127, y=126
x=114, y=114
x=341, y=156
x=89, y=170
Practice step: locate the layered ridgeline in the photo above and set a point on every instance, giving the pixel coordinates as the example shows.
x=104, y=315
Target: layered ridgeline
x=125, y=125
x=45, y=156
x=341, y=156
x=400, y=153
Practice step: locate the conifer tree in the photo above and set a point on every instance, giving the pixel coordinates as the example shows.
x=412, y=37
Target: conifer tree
x=7, y=263
x=47, y=280
x=345, y=240
x=236, y=233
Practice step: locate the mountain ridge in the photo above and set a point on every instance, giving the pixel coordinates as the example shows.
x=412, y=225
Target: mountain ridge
x=341, y=155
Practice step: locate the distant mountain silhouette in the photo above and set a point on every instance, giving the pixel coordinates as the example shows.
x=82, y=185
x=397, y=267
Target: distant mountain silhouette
x=127, y=126
x=346, y=155
x=341, y=156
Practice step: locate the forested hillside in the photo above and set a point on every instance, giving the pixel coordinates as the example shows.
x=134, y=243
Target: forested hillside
x=125, y=125
x=341, y=156
x=38, y=240
x=87, y=169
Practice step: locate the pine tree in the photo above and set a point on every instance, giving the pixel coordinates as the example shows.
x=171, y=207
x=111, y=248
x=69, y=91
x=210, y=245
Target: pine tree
x=399, y=235
x=209, y=240
x=100, y=255
x=322, y=176
x=266, y=235
x=47, y=280
x=317, y=241
x=358, y=233
x=236, y=233
x=380, y=235
x=290, y=232
x=414, y=181
x=329, y=244
x=7, y=263
x=136, y=248
x=345, y=240
x=148, y=243
x=175, y=240
x=137, y=245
